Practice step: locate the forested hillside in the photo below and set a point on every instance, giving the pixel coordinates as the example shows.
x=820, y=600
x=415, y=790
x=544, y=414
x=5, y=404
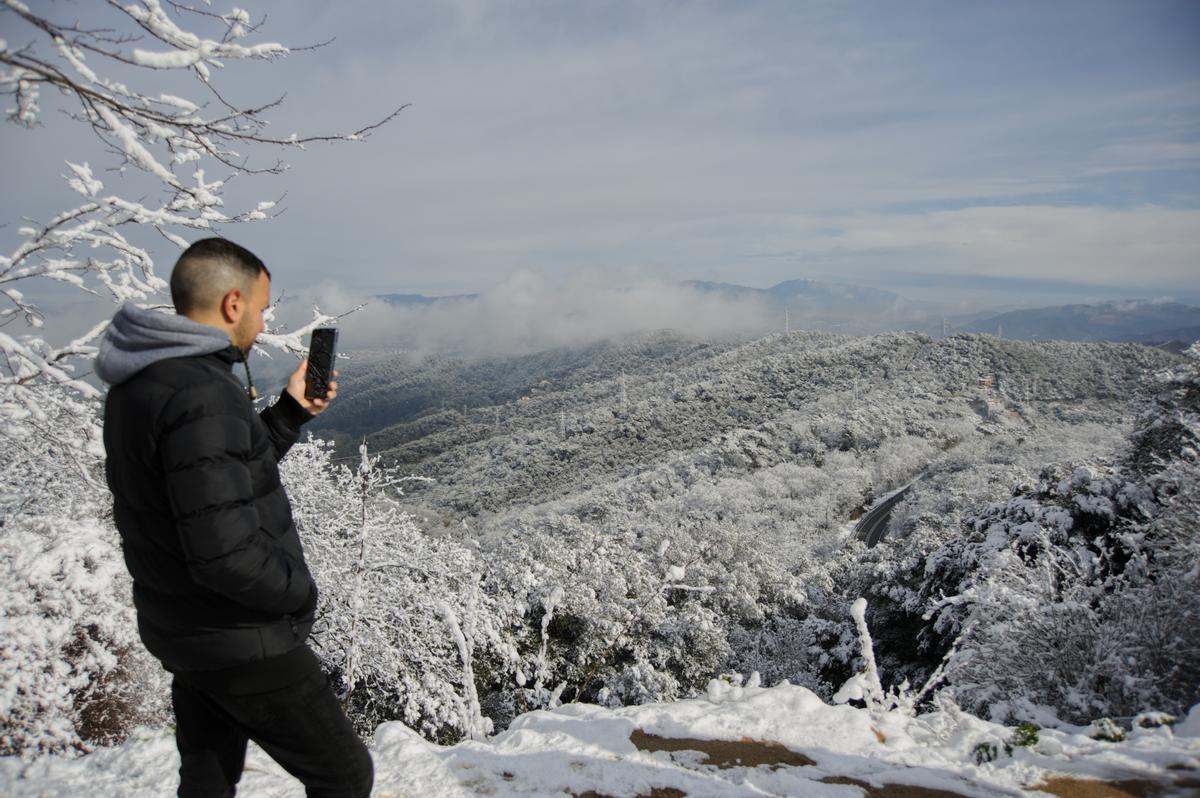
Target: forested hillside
x=497, y=434
x=384, y=391
x=1133, y=320
x=666, y=511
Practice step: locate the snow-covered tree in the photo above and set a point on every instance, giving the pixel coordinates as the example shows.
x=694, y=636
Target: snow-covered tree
x=605, y=614
x=403, y=618
x=144, y=78
x=175, y=156
x=74, y=670
x=1077, y=593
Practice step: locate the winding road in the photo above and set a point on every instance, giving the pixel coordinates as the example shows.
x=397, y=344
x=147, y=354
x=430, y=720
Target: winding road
x=871, y=528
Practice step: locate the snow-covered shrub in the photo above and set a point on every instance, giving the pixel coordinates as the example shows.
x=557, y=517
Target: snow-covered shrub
x=608, y=610
x=75, y=674
x=1168, y=428
x=402, y=615
x=1058, y=608
x=1108, y=730
x=1078, y=593
x=801, y=646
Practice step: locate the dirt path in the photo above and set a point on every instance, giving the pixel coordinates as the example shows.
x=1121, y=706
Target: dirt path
x=748, y=753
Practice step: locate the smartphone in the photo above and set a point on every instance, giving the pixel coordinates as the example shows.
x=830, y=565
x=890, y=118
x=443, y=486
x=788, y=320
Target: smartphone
x=322, y=351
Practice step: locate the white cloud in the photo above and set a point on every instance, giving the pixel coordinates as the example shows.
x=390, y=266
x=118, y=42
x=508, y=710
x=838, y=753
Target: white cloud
x=528, y=312
x=1138, y=248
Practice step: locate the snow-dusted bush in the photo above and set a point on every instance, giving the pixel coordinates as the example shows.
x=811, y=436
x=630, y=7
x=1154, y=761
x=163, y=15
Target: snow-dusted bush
x=402, y=619
x=75, y=674
x=805, y=648
x=604, y=617
x=1089, y=628
x=1079, y=594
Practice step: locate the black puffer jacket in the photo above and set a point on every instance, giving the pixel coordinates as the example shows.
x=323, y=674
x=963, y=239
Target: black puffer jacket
x=218, y=571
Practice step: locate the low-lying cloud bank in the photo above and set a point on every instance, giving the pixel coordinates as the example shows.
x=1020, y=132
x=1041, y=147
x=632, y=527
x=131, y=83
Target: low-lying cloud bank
x=526, y=312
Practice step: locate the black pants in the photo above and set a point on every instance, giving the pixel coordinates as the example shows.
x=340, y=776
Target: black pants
x=301, y=726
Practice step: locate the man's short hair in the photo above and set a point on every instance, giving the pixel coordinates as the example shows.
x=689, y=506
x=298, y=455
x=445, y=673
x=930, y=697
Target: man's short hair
x=210, y=268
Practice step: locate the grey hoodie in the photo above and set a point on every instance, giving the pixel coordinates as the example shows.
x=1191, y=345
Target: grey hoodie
x=137, y=337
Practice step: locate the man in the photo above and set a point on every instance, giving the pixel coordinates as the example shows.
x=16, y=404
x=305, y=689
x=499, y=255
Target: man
x=223, y=596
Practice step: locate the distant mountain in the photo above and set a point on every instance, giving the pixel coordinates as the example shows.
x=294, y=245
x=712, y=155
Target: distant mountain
x=835, y=307
x=1135, y=320
x=810, y=292
x=724, y=289
x=420, y=299
x=830, y=294
x=1183, y=337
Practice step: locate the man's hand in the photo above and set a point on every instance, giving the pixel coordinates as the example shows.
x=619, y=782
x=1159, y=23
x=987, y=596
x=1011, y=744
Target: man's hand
x=295, y=386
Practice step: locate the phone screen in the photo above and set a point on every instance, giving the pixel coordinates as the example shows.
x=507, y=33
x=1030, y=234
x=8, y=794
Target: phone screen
x=322, y=350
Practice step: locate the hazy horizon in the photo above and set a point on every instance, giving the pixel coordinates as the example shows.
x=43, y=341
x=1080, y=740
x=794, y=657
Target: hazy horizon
x=528, y=311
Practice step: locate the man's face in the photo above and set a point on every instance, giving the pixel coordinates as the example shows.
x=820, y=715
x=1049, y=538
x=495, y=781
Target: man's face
x=247, y=328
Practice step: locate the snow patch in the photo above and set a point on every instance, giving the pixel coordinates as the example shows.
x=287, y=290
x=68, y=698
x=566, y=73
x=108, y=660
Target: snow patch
x=581, y=747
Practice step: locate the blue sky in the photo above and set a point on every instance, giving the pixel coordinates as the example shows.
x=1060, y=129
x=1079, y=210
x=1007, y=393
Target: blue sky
x=1030, y=151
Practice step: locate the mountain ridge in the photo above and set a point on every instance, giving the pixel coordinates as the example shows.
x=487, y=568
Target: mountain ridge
x=1130, y=320
x=803, y=303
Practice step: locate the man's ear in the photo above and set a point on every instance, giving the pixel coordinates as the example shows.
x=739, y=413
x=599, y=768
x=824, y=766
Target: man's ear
x=233, y=304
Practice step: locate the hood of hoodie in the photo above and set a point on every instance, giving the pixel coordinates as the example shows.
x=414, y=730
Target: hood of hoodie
x=137, y=337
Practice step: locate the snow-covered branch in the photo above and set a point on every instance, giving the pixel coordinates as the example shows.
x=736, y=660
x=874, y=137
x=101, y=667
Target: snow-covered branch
x=182, y=151
x=293, y=341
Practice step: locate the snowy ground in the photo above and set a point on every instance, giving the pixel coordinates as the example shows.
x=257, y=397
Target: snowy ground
x=737, y=742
